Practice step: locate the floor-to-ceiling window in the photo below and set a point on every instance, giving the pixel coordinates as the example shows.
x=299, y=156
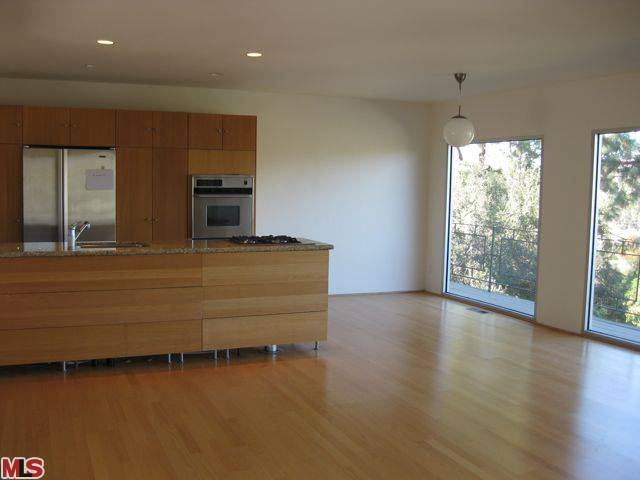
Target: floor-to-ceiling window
x=492, y=244
x=614, y=303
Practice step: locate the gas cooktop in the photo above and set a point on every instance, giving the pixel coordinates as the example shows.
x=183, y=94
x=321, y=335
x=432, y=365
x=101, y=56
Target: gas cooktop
x=265, y=239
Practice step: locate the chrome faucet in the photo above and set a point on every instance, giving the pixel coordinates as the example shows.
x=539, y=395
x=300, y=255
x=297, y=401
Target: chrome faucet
x=75, y=230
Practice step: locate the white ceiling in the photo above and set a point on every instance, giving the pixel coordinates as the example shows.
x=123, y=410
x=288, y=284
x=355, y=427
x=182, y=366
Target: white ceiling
x=402, y=49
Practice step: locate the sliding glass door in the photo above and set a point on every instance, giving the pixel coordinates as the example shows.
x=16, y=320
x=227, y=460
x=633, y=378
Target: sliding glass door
x=614, y=304
x=492, y=244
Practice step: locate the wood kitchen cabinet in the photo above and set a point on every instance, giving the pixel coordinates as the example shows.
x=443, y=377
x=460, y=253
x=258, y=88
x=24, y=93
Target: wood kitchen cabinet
x=152, y=194
x=152, y=129
x=238, y=132
x=218, y=132
x=134, y=200
x=92, y=127
x=45, y=125
x=11, y=124
x=170, y=130
x=205, y=131
x=10, y=193
x=170, y=194
x=222, y=162
x=82, y=127
x=134, y=128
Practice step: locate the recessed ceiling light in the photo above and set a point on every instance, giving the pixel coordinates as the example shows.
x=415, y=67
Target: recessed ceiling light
x=254, y=54
x=89, y=65
x=105, y=42
x=215, y=74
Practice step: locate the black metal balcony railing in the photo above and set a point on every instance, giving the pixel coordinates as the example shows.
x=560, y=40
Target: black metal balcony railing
x=494, y=258
x=504, y=260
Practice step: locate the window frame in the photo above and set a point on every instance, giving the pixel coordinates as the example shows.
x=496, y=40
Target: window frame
x=596, y=143
x=447, y=230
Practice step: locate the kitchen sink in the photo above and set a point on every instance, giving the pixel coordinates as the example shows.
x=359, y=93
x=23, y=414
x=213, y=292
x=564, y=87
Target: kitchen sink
x=111, y=245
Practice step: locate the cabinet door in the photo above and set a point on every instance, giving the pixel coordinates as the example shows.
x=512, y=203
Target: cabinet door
x=170, y=129
x=10, y=193
x=239, y=132
x=11, y=124
x=45, y=126
x=205, y=131
x=170, y=194
x=134, y=181
x=134, y=128
x=92, y=127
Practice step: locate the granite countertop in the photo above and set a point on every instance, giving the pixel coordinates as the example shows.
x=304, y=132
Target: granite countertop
x=51, y=249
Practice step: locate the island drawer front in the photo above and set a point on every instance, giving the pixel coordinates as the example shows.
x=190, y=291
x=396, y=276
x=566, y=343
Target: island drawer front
x=264, y=299
x=66, y=309
x=237, y=332
x=254, y=283
x=98, y=341
x=85, y=273
x=255, y=268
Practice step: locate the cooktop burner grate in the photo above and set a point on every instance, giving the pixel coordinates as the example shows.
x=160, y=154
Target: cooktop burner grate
x=265, y=239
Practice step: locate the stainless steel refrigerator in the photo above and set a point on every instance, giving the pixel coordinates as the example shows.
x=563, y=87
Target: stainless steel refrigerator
x=62, y=186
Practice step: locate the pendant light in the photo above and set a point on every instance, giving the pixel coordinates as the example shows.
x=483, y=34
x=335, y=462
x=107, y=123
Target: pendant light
x=459, y=131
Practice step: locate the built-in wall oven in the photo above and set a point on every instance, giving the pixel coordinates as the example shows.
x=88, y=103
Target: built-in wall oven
x=222, y=206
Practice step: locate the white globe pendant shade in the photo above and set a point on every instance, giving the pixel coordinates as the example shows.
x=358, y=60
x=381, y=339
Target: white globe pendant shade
x=459, y=131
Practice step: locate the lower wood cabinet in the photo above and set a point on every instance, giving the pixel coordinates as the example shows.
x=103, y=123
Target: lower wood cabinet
x=98, y=273
x=77, y=309
x=37, y=345
x=85, y=307
x=10, y=193
x=251, y=331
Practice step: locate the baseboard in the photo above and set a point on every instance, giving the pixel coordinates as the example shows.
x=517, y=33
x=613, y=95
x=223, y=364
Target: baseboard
x=375, y=293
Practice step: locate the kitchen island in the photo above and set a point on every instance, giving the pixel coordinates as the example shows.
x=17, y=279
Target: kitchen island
x=59, y=304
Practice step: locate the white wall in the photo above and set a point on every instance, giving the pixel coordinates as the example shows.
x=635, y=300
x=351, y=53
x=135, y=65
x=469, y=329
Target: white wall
x=344, y=171
x=565, y=115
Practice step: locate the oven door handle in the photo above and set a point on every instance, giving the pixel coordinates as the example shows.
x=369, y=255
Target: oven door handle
x=222, y=196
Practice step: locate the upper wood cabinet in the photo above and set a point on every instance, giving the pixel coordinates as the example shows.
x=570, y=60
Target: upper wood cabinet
x=170, y=130
x=170, y=194
x=134, y=201
x=221, y=162
x=134, y=128
x=82, y=127
x=238, y=132
x=92, y=127
x=152, y=129
x=10, y=124
x=10, y=193
x=228, y=132
x=45, y=126
x=205, y=130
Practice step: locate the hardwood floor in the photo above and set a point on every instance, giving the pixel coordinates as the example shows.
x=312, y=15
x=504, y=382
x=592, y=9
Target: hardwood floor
x=407, y=386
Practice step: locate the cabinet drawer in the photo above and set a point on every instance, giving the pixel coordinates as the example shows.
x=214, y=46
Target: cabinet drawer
x=86, y=273
x=265, y=298
x=255, y=283
x=265, y=267
x=237, y=332
x=98, y=341
x=66, y=309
